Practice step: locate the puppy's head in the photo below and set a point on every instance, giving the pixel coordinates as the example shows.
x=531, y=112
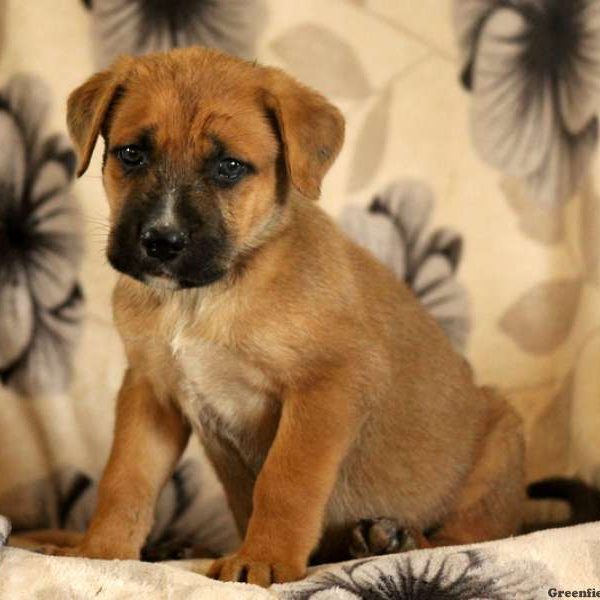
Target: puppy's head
x=201, y=153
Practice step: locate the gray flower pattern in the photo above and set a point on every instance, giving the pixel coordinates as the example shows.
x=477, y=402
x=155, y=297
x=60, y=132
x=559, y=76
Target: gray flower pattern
x=142, y=26
x=394, y=230
x=40, y=244
x=422, y=576
x=533, y=67
x=190, y=510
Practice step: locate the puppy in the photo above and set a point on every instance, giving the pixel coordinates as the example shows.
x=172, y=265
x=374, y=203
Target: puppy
x=322, y=391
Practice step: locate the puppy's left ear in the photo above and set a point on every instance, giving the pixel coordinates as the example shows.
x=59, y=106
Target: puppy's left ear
x=310, y=127
x=88, y=107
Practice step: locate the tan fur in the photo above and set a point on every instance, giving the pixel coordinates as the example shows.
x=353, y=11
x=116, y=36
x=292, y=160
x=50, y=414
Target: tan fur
x=322, y=390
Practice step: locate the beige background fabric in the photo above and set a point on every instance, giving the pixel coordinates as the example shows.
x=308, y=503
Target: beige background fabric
x=531, y=272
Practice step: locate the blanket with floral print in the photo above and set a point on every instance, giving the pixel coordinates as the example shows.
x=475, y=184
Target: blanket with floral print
x=523, y=568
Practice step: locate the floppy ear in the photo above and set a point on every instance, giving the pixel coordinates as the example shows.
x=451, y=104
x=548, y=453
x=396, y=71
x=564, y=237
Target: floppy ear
x=87, y=110
x=311, y=130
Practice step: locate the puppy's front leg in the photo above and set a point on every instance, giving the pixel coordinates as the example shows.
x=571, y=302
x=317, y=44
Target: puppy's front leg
x=293, y=487
x=149, y=439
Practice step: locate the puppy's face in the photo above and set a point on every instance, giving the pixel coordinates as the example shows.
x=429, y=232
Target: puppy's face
x=201, y=151
x=191, y=176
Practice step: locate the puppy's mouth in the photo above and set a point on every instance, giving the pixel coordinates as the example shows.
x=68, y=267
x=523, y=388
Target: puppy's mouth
x=167, y=281
x=197, y=267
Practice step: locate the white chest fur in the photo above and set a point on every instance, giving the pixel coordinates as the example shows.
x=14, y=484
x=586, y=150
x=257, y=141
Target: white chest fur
x=222, y=395
x=213, y=376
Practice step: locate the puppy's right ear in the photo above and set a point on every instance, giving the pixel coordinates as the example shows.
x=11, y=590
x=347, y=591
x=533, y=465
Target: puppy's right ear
x=88, y=107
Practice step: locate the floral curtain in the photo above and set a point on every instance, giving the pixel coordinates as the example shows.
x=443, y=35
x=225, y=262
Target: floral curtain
x=469, y=168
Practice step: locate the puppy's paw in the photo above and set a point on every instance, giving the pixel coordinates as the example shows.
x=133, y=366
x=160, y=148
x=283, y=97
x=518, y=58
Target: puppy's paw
x=240, y=567
x=47, y=549
x=87, y=551
x=374, y=537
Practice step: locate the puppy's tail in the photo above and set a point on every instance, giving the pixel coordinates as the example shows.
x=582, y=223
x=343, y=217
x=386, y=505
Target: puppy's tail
x=583, y=499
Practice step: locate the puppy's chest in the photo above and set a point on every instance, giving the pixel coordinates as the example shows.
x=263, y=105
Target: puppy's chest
x=223, y=396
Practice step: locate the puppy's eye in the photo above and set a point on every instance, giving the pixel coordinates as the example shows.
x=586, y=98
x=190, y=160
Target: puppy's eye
x=230, y=170
x=132, y=156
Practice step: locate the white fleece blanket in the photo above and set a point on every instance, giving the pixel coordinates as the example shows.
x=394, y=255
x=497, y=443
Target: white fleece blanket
x=533, y=566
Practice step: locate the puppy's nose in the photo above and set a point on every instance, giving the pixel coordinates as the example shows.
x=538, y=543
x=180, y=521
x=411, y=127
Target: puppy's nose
x=163, y=244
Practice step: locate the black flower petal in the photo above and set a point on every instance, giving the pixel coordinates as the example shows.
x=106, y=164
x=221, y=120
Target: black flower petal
x=534, y=69
x=422, y=576
x=46, y=364
x=41, y=244
x=16, y=316
x=393, y=229
x=469, y=18
x=141, y=26
x=191, y=510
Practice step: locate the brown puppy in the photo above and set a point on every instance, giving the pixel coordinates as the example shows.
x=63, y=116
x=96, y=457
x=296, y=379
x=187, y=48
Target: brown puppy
x=321, y=389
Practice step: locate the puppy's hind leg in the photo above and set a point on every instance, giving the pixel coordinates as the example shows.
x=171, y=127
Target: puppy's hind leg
x=491, y=503
x=383, y=535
